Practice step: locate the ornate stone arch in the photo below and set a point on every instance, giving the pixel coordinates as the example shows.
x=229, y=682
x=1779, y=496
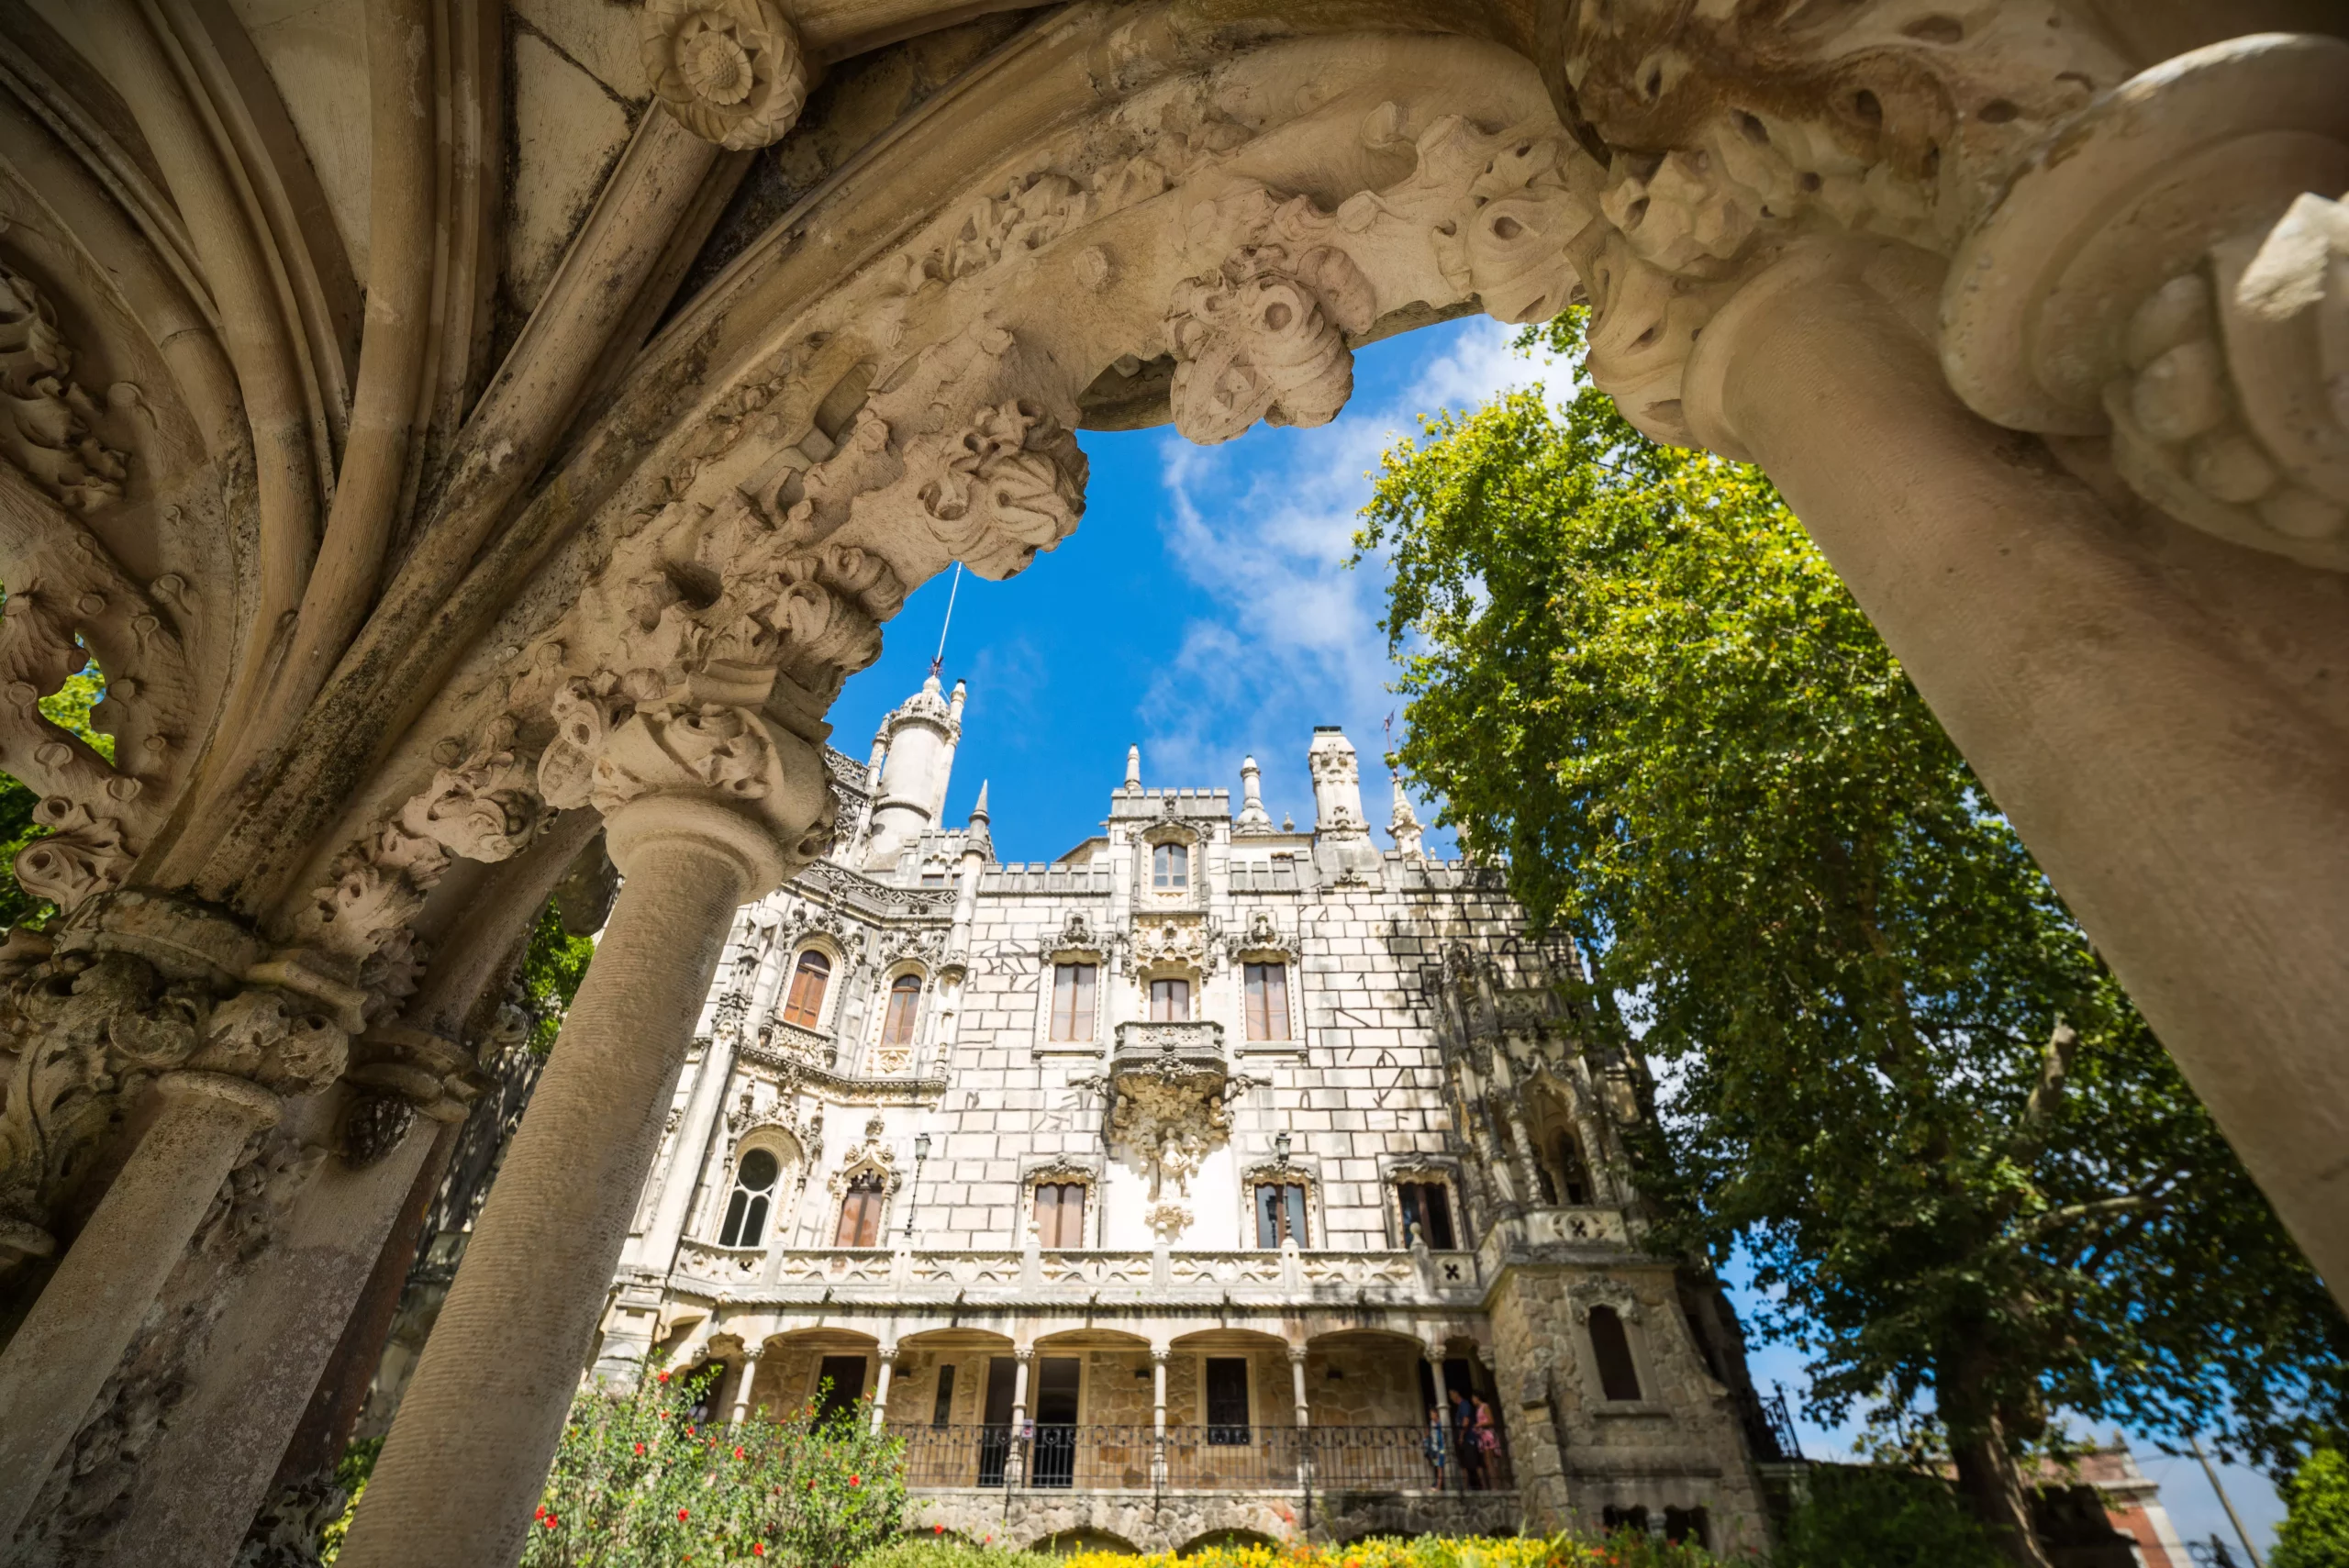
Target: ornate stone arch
x=872, y=1165
x=1299, y=1169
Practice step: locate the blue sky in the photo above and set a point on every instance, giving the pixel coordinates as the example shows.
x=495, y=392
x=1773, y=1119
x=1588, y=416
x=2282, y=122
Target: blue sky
x=1203, y=611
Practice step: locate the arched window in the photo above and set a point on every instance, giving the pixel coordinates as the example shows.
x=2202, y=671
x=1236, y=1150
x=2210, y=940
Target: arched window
x=905, y=1005
x=860, y=1212
x=746, y=1211
x=1170, y=866
x=804, y=1005
x=1610, y=1347
x=1573, y=1176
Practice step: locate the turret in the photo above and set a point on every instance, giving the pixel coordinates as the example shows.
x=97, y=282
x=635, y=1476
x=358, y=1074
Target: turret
x=1342, y=846
x=1133, y=770
x=915, y=748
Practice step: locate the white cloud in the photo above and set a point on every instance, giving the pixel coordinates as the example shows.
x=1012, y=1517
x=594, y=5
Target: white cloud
x=1264, y=526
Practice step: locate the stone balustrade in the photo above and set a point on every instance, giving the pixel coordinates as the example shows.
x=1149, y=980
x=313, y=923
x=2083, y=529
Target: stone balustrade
x=760, y=1275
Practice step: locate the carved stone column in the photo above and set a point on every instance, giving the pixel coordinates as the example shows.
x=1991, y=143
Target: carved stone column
x=1433, y=1351
x=1158, y=1354
x=881, y=1386
x=481, y=1420
x=1015, y=1465
x=1303, y=1417
x=62, y=1353
x=2207, y=846
x=743, y=1392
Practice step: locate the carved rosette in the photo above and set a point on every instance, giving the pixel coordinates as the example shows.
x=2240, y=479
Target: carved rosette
x=732, y=71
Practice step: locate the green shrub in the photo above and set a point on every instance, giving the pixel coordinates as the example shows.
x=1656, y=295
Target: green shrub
x=2315, y=1533
x=1873, y=1516
x=637, y=1481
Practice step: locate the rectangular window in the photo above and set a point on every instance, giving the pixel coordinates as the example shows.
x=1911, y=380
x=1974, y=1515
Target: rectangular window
x=1228, y=1401
x=1429, y=1207
x=905, y=1008
x=1073, y=1001
x=1170, y=867
x=1170, y=1001
x=941, y=1410
x=860, y=1215
x=1280, y=1213
x=1267, y=1001
x=1060, y=1214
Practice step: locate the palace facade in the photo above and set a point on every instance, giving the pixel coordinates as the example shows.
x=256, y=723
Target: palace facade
x=1160, y=1191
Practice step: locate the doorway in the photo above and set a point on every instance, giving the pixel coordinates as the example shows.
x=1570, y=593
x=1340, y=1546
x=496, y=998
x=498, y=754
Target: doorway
x=1057, y=1398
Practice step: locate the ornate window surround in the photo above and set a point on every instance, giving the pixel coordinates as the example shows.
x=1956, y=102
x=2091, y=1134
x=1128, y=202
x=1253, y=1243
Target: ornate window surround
x=1580, y=1298
x=876, y=1020
x=873, y=1156
x=1394, y=1170
x=1264, y=942
x=1297, y=1169
x=1080, y=940
x=1170, y=830
x=783, y=1201
x=1080, y=1170
x=836, y=984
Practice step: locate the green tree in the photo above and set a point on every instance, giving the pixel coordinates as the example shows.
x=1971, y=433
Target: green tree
x=646, y=1476
x=2315, y=1532
x=553, y=965
x=1869, y=1517
x=1901, y=1080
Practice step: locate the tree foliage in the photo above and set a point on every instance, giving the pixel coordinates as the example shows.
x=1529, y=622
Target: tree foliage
x=2315, y=1532
x=1870, y=1516
x=553, y=965
x=1898, y=1076
x=647, y=1476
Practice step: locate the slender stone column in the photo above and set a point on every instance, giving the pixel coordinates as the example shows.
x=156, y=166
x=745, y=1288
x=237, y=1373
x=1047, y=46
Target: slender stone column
x=1158, y=1354
x=742, y=1391
x=481, y=1420
x=1015, y=1467
x=1303, y=1417
x=1434, y=1351
x=2188, y=806
x=881, y=1386
x=70, y=1341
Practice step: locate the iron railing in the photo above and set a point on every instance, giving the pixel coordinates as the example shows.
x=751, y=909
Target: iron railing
x=1052, y=1457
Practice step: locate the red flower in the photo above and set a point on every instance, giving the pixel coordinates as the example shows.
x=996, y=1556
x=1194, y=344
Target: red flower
x=639, y=1448
x=665, y=1377
x=758, y=1548
x=689, y=1431
x=550, y=1522
x=681, y=1516
x=738, y=1450
x=938, y=1529
x=856, y=1480
x=539, y=1512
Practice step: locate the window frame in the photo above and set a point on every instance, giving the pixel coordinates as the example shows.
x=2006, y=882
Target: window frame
x=1060, y=1186
x=790, y=1012
x=1152, y=987
x=1258, y=978
x=1170, y=866
x=1442, y=1187
x=1084, y=978
x=868, y=1192
x=1287, y=1212
x=909, y=985
x=736, y=1217
x=1608, y=1388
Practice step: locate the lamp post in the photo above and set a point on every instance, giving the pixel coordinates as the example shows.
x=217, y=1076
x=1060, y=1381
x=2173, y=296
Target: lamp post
x=921, y=1152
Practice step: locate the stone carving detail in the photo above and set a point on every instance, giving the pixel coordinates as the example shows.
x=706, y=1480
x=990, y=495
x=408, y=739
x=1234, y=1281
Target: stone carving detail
x=1169, y=1114
x=1172, y=943
x=731, y=70
x=97, y=1023
x=1009, y=485
x=1263, y=939
x=46, y=418
x=871, y=1157
x=1263, y=337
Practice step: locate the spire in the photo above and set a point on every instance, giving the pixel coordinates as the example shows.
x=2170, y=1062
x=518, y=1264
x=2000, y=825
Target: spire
x=1404, y=824
x=1133, y=770
x=1253, y=818
x=977, y=840
x=979, y=808
x=954, y=702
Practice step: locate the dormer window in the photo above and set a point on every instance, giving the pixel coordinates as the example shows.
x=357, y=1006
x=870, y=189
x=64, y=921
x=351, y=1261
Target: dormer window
x=805, y=1007
x=1170, y=867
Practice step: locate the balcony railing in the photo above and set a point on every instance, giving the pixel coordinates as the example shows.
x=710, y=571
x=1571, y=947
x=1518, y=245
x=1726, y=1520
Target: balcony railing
x=1046, y=1457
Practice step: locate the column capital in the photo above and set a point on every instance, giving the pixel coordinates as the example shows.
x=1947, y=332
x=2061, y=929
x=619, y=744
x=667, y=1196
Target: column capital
x=649, y=826
x=889, y=1354
x=1159, y=1355
x=1023, y=1354
x=1296, y=1355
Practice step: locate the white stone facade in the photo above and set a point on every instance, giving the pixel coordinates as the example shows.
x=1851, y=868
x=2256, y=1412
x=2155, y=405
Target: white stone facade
x=1189, y=1011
